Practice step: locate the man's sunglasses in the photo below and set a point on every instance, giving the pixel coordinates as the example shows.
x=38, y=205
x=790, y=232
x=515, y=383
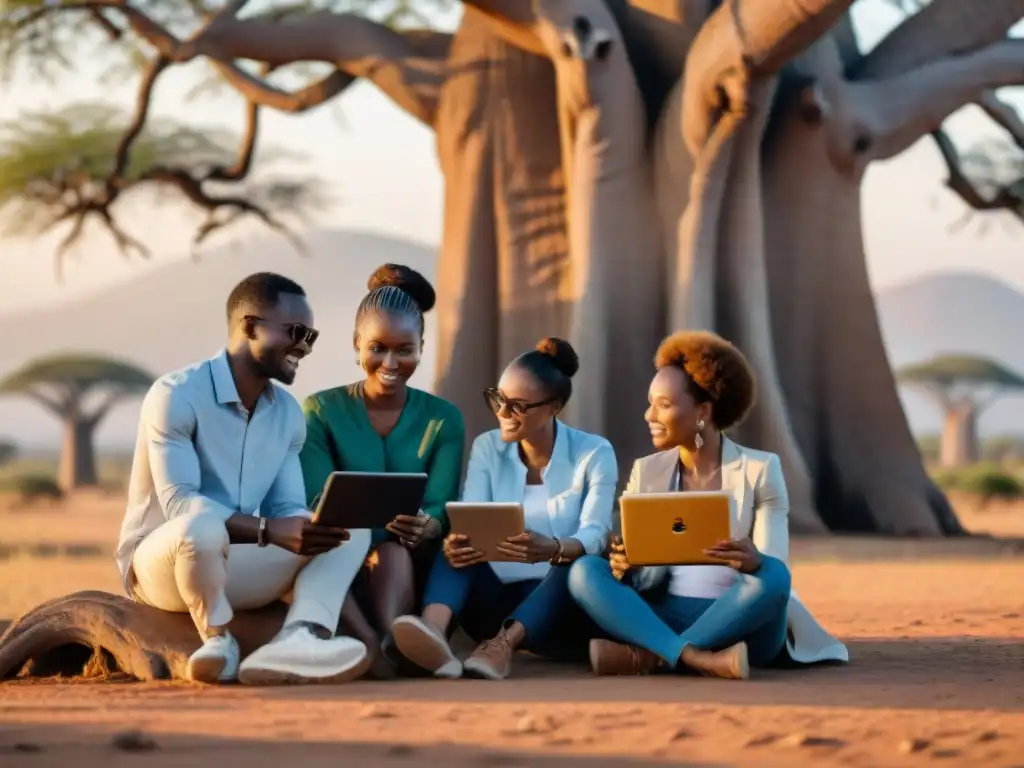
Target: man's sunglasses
x=297, y=332
x=495, y=401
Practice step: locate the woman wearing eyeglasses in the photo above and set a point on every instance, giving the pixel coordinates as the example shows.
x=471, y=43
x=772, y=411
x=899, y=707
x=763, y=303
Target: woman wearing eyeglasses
x=565, y=480
x=380, y=424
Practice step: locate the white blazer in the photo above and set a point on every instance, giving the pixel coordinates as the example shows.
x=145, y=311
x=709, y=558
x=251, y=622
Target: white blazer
x=580, y=480
x=762, y=513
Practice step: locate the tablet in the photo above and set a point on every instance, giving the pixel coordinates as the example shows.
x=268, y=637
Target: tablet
x=369, y=499
x=487, y=524
x=675, y=528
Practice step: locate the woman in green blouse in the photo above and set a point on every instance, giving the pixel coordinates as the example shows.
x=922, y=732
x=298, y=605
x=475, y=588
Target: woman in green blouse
x=380, y=424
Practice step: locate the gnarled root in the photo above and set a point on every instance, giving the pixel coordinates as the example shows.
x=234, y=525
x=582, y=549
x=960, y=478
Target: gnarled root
x=97, y=633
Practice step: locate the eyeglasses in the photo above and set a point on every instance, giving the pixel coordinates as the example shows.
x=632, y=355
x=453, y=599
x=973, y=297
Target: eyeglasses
x=496, y=401
x=297, y=332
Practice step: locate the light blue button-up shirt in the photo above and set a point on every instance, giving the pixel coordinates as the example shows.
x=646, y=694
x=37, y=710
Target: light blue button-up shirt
x=198, y=450
x=580, y=480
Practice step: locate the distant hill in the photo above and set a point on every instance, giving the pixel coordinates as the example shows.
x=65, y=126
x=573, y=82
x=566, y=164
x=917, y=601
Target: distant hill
x=955, y=312
x=174, y=315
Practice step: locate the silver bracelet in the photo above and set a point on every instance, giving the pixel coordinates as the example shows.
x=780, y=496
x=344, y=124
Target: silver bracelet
x=556, y=559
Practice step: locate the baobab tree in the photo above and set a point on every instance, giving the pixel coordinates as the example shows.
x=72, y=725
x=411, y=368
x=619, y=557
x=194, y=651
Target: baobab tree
x=80, y=390
x=962, y=386
x=615, y=169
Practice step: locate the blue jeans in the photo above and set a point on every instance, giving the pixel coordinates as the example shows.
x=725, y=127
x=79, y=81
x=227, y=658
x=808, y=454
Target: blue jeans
x=753, y=610
x=556, y=627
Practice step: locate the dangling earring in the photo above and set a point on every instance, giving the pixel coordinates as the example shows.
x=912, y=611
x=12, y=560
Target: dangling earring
x=698, y=441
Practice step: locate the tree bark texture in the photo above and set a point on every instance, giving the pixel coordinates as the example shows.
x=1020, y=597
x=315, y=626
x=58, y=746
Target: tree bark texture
x=96, y=634
x=840, y=390
x=503, y=265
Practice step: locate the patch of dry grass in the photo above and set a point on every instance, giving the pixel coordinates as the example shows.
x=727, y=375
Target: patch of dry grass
x=26, y=581
x=48, y=551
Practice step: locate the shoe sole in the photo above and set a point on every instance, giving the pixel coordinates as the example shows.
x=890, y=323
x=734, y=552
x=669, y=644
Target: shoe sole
x=268, y=675
x=208, y=670
x=480, y=671
x=743, y=662
x=424, y=649
x=740, y=669
x=594, y=652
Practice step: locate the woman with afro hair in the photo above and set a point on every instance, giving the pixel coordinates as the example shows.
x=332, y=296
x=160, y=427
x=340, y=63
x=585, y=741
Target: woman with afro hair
x=717, y=620
x=565, y=479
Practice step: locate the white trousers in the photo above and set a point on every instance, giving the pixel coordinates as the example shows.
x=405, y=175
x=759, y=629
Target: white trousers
x=187, y=565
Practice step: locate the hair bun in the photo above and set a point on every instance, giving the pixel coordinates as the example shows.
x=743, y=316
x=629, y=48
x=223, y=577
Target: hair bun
x=561, y=352
x=406, y=278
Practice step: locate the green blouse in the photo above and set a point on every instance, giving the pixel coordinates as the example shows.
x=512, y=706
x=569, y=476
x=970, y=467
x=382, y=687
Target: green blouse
x=428, y=437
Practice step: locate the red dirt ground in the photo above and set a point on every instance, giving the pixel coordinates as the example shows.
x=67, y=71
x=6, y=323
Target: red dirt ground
x=935, y=630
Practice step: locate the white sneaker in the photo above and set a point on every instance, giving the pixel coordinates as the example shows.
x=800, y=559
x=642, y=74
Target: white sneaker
x=297, y=655
x=215, y=662
x=421, y=644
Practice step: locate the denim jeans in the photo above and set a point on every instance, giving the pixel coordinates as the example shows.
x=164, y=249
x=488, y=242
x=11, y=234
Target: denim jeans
x=754, y=610
x=556, y=627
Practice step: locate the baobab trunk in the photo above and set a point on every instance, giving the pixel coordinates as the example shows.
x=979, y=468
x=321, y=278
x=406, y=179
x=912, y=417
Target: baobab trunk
x=839, y=386
x=503, y=262
x=959, y=443
x=742, y=313
x=716, y=212
x=77, y=457
x=616, y=257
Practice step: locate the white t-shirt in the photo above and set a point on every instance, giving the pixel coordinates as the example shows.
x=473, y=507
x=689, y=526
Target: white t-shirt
x=535, y=513
x=704, y=581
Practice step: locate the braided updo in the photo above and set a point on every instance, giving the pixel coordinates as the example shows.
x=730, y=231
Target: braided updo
x=397, y=290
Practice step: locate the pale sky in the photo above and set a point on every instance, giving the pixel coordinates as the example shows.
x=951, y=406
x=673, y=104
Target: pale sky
x=380, y=166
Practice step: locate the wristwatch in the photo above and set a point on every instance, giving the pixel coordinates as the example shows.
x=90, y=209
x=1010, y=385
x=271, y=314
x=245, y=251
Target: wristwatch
x=261, y=533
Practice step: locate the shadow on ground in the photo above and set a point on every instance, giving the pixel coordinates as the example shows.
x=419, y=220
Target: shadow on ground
x=922, y=673
x=944, y=673
x=64, y=746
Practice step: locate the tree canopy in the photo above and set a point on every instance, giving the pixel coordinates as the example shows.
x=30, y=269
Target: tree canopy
x=953, y=370
x=77, y=373
x=67, y=167
x=964, y=386
x=72, y=167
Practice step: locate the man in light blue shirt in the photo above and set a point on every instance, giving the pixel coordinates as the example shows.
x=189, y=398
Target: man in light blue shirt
x=216, y=517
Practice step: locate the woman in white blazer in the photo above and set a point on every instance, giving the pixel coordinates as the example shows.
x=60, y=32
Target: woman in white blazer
x=565, y=479
x=718, y=620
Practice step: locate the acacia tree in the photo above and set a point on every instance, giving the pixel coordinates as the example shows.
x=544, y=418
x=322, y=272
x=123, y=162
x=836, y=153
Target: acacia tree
x=963, y=386
x=616, y=169
x=67, y=386
x=67, y=168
